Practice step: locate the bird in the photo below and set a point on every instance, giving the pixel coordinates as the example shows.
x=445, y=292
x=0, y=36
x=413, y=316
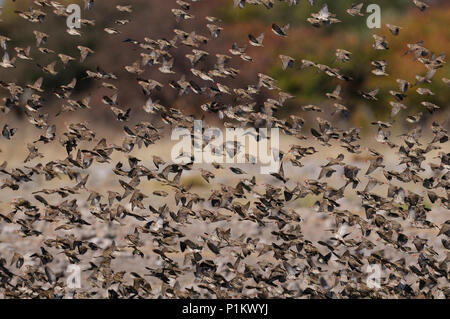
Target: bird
x=103, y=190
x=380, y=43
x=3, y=42
x=7, y=62
x=422, y=6
x=256, y=41
x=371, y=95
x=280, y=31
x=343, y=55
x=395, y=30
x=286, y=61
x=335, y=95
x=355, y=9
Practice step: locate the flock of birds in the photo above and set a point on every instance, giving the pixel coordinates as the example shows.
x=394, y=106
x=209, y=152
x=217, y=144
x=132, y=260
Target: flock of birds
x=392, y=230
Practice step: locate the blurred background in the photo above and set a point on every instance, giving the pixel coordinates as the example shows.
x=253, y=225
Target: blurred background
x=154, y=19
